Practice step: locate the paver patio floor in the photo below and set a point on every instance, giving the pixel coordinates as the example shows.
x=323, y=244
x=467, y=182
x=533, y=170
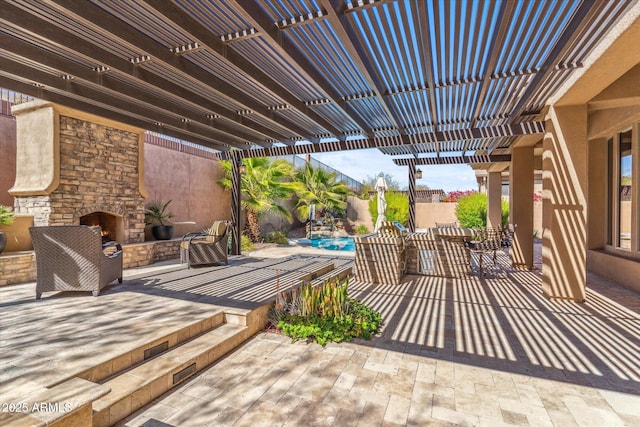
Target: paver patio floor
x=470, y=351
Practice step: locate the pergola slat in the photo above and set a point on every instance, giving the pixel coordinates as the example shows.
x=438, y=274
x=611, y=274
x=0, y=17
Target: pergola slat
x=407, y=77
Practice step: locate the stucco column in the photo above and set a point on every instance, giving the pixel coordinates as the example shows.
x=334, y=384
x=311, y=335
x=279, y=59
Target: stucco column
x=494, y=196
x=412, y=197
x=521, y=206
x=564, y=164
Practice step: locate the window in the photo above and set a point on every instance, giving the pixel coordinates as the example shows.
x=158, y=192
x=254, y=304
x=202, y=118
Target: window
x=623, y=191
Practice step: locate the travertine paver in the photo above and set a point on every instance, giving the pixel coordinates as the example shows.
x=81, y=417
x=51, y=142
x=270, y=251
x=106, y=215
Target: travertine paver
x=467, y=351
x=495, y=354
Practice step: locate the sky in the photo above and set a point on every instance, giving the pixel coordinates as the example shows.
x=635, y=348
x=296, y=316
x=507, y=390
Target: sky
x=358, y=164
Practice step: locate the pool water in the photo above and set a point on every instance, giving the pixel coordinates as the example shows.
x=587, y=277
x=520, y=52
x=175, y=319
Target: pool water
x=335, y=244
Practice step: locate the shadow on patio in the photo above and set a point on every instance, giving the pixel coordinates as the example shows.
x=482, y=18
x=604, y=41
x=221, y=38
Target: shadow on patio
x=505, y=323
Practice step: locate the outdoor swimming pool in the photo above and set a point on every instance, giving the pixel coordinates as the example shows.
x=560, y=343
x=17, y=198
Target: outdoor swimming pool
x=335, y=244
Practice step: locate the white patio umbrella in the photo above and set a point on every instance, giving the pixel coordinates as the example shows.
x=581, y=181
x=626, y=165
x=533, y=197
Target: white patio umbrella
x=381, y=187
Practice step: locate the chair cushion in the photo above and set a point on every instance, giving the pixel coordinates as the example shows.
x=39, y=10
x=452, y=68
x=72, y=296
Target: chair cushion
x=216, y=231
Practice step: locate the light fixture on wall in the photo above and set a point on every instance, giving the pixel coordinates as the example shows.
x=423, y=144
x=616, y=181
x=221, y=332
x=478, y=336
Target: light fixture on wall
x=242, y=167
x=418, y=174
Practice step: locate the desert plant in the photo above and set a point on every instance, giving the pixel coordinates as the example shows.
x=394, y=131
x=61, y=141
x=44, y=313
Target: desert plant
x=7, y=216
x=322, y=314
x=156, y=212
x=246, y=244
x=362, y=229
x=397, y=207
x=321, y=189
x=263, y=183
x=276, y=237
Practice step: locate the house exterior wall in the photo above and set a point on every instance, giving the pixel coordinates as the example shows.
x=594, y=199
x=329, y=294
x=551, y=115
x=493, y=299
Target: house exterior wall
x=8, y=156
x=190, y=182
x=601, y=102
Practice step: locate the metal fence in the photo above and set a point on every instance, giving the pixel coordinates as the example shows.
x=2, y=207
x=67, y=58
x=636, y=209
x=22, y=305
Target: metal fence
x=8, y=98
x=300, y=162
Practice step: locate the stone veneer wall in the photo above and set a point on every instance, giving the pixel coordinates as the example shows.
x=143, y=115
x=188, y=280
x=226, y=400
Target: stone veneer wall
x=20, y=267
x=98, y=173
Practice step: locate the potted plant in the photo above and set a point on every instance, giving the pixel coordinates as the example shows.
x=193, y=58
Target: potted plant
x=156, y=214
x=6, y=218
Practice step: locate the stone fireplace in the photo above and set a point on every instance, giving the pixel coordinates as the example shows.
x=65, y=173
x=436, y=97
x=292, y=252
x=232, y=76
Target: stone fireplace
x=74, y=168
x=111, y=225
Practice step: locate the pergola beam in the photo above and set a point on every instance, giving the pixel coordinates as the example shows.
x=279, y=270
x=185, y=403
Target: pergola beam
x=112, y=86
x=335, y=13
x=109, y=24
x=47, y=94
x=254, y=14
x=199, y=32
x=453, y=160
x=142, y=76
x=88, y=95
x=488, y=132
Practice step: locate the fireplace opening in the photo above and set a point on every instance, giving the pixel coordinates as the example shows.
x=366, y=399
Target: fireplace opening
x=110, y=225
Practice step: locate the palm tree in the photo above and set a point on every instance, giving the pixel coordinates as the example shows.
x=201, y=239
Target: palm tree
x=320, y=188
x=263, y=183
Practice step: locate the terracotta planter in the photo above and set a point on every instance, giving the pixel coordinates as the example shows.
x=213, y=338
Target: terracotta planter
x=162, y=232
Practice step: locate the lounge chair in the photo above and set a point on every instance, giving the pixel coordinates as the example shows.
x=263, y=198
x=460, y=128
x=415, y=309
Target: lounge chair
x=207, y=247
x=73, y=258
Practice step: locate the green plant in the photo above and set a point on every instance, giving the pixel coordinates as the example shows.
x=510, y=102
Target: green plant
x=322, y=314
x=263, y=184
x=246, y=244
x=322, y=189
x=276, y=237
x=397, y=207
x=156, y=212
x=7, y=216
x=362, y=229
x=471, y=211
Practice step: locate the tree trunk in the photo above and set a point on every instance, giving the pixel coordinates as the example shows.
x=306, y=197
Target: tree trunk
x=253, y=227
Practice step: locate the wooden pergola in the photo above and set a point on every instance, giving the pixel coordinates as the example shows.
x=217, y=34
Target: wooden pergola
x=426, y=81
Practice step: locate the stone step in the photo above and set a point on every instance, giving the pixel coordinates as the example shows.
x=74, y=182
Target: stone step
x=67, y=404
x=136, y=387
x=121, y=362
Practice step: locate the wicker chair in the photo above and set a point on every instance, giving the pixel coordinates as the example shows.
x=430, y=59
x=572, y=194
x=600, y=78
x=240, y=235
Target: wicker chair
x=207, y=247
x=73, y=258
x=488, y=240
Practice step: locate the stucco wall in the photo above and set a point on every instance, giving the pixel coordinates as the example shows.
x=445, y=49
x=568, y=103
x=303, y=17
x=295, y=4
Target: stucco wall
x=358, y=211
x=7, y=158
x=427, y=214
x=191, y=183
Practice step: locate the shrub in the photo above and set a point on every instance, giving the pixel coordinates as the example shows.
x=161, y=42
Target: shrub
x=246, y=244
x=6, y=215
x=362, y=229
x=276, y=237
x=397, y=207
x=454, y=196
x=323, y=314
x=471, y=211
